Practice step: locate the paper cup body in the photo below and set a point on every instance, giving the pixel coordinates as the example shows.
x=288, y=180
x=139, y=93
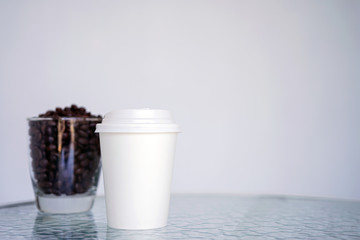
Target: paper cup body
x=137, y=171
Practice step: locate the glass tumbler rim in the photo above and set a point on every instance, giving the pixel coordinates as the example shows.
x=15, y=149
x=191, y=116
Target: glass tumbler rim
x=90, y=119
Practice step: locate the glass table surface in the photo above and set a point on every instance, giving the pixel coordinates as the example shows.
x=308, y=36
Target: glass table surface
x=199, y=217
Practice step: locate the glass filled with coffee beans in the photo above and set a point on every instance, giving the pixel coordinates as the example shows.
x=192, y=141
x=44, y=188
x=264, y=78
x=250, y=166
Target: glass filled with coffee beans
x=64, y=159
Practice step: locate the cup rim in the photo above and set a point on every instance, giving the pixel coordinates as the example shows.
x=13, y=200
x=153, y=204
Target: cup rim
x=64, y=118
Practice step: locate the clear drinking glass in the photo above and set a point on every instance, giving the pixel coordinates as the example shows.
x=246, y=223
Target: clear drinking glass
x=64, y=163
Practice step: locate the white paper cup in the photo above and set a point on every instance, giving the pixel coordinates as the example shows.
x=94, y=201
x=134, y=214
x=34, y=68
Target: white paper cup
x=137, y=151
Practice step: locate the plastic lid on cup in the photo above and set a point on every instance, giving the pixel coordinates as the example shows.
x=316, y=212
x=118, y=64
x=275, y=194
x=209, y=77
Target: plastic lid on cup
x=138, y=121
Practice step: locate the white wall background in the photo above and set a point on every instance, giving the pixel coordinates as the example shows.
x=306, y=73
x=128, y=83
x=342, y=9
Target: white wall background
x=267, y=92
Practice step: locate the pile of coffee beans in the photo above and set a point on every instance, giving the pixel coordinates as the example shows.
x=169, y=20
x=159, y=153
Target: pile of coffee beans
x=65, y=151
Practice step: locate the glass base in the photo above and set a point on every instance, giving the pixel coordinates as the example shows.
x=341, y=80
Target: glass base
x=64, y=204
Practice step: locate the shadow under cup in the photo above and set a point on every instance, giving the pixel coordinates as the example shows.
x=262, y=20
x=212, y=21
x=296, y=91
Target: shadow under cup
x=64, y=162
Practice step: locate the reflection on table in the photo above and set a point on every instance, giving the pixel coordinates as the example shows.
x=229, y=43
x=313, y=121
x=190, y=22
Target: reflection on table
x=199, y=217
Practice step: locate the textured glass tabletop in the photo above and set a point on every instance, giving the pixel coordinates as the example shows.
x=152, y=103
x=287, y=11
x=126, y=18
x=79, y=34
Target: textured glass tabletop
x=199, y=217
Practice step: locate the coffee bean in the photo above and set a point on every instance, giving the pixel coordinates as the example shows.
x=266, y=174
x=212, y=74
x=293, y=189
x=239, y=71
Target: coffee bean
x=41, y=176
x=51, y=148
x=51, y=140
x=49, y=131
x=82, y=133
x=36, y=153
x=68, y=191
x=58, y=184
x=32, y=131
x=65, y=135
x=47, y=190
x=49, y=113
x=90, y=155
x=82, y=140
x=86, y=184
x=52, y=123
x=54, y=157
x=58, y=110
x=83, y=127
x=86, y=174
x=84, y=163
x=36, y=131
x=79, y=171
x=37, y=136
x=56, y=192
x=51, y=176
x=43, y=163
x=53, y=166
x=93, y=141
x=77, y=152
x=81, y=157
x=34, y=164
x=45, y=184
x=79, y=188
x=94, y=165
x=43, y=128
x=74, y=108
x=40, y=169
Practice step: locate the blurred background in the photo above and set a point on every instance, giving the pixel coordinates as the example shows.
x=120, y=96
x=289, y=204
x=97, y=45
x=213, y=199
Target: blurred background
x=267, y=92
